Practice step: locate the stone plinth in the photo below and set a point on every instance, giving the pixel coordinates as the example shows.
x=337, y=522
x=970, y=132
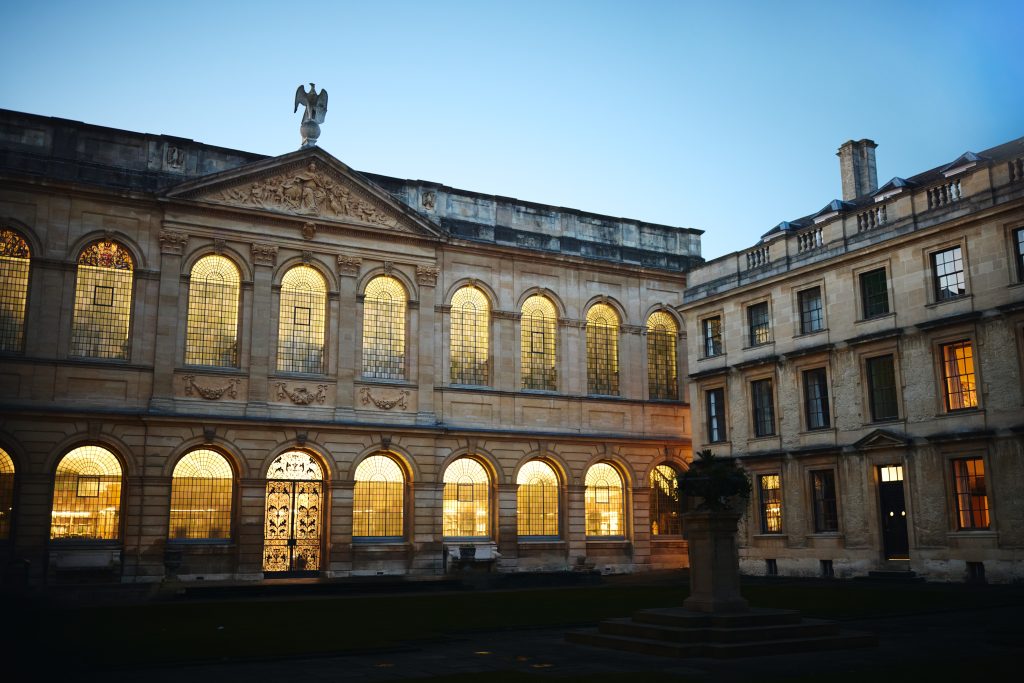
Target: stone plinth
x=714, y=563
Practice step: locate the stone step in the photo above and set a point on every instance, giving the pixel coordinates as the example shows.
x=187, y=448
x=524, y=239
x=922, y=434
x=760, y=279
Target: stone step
x=677, y=616
x=805, y=629
x=841, y=640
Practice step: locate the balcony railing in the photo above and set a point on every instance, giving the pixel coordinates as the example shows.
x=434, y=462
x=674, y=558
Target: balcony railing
x=871, y=219
x=944, y=194
x=757, y=257
x=809, y=240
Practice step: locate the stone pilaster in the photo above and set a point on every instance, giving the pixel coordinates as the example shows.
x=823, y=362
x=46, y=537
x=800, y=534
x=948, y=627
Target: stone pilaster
x=169, y=315
x=348, y=332
x=264, y=258
x=426, y=278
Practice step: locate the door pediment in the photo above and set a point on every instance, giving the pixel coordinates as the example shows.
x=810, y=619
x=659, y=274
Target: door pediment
x=882, y=438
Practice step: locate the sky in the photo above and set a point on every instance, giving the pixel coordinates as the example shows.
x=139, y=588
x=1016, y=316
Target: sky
x=722, y=116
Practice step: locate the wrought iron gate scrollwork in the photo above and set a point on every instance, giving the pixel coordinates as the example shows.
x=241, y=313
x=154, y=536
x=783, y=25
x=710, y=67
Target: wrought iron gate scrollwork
x=292, y=532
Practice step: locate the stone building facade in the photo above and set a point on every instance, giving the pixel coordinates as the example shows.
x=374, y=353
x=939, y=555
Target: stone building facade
x=865, y=364
x=223, y=365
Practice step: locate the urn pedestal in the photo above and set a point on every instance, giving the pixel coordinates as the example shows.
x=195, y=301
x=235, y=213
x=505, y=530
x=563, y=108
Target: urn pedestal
x=714, y=563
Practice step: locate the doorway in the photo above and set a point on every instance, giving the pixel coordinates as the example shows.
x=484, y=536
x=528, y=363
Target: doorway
x=892, y=502
x=292, y=538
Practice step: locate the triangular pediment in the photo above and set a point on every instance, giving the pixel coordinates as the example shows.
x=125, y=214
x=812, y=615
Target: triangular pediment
x=881, y=438
x=309, y=184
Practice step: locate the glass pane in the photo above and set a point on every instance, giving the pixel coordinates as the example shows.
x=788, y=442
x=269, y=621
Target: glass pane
x=14, y=267
x=602, y=350
x=378, y=507
x=958, y=375
x=538, y=328
x=466, y=503
x=665, y=504
x=201, y=494
x=300, y=328
x=212, y=336
x=470, y=337
x=537, y=500
x=87, y=495
x=661, y=356
x=603, y=501
x=384, y=309
x=103, y=302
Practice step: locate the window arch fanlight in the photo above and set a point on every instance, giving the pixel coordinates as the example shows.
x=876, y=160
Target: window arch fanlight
x=602, y=350
x=103, y=301
x=378, y=507
x=212, y=334
x=665, y=502
x=466, y=499
x=537, y=500
x=470, y=337
x=384, y=306
x=6, y=494
x=300, y=327
x=662, y=379
x=603, y=501
x=15, y=257
x=87, y=495
x=201, y=497
x=295, y=465
x=538, y=330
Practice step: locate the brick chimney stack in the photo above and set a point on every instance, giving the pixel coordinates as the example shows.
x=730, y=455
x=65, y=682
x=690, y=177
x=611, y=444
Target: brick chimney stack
x=857, y=168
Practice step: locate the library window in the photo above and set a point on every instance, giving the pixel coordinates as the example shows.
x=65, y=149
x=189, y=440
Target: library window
x=470, y=337
x=770, y=491
x=537, y=500
x=466, y=500
x=764, y=407
x=665, y=503
x=662, y=380
x=948, y=269
x=959, y=386
x=14, y=265
x=384, y=309
x=759, y=323
x=538, y=329
x=712, y=335
x=103, y=302
x=715, y=407
x=816, y=399
x=881, y=374
x=826, y=516
x=970, y=495
x=603, y=501
x=602, y=350
x=874, y=293
x=300, y=327
x=812, y=314
x=201, y=497
x=87, y=496
x=378, y=499
x=211, y=337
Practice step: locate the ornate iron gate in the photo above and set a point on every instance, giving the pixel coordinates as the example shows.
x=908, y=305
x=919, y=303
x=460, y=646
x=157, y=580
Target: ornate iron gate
x=292, y=536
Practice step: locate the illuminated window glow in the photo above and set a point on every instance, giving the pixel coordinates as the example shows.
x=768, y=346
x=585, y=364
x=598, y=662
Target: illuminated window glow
x=384, y=329
x=971, y=497
x=201, y=497
x=300, y=326
x=662, y=380
x=537, y=500
x=293, y=514
x=602, y=350
x=87, y=495
x=14, y=267
x=958, y=376
x=771, y=503
x=470, y=337
x=103, y=302
x=212, y=336
x=603, y=501
x=665, y=504
x=379, y=498
x=538, y=329
x=466, y=499
x=6, y=494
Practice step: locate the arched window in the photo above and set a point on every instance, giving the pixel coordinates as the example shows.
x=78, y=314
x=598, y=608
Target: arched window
x=665, y=519
x=603, y=501
x=87, y=495
x=470, y=337
x=467, y=507
x=538, y=326
x=14, y=262
x=378, y=507
x=602, y=350
x=537, y=500
x=300, y=327
x=212, y=336
x=662, y=331
x=6, y=494
x=201, y=497
x=384, y=329
x=103, y=301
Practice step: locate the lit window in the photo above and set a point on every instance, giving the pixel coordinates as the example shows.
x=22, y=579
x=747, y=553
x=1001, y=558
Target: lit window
x=874, y=293
x=300, y=327
x=602, y=350
x=826, y=516
x=384, y=329
x=212, y=336
x=466, y=506
x=665, y=507
x=6, y=494
x=816, y=399
x=378, y=506
x=891, y=473
x=537, y=341
x=882, y=388
x=87, y=495
x=764, y=407
x=812, y=315
x=14, y=266
x=770, y=489
x=949, y=274
x=537, y=500
x=969, y=491
x=201, y=497
x=103, y=302
x=662, y=331
x=760, y=325
x=470, y=337
x=958, y=376
x=603, y=501
x=712, y=334
x=715, y=407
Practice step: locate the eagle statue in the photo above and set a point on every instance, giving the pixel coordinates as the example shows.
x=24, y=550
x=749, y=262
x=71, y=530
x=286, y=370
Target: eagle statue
x=316, y=109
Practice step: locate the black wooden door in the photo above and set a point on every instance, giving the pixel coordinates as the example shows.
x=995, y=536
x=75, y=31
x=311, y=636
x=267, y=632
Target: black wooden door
x=894, y=517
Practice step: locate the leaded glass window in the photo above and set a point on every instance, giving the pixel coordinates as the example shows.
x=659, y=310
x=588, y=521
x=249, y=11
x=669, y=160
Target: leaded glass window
x=961, y=389
x=538, y=326
x=759, y=323
x=537, y=500
x=970, y=494
x=881, y=373
x=87, y=495
x=378, y=506
x=103, y=302
x=770, y=491
x=6, y=494
x=384, y=307
x=812, y=314
x=15, y=257
x=470, y=337
x=466, y=505
x=665, y=504
x=212, y=335
x=764, y=407
x=816, y=409
x=603, y=501
x=602, y=350
x=662, y=380
x=300, y=326
x=949, y=274
x=826, y=515
x=201, y=497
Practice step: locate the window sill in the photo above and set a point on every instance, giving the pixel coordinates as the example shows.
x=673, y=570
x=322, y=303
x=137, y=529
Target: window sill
x=936, y=304
x=618, y=540
x=389, y=541
x=717, y=355
x=817, y=430
x=765, y=437
x=311, y=376
x=535, y=542
x=759, y=346
x=771, y=536
x=960, y=412
x=214, y=369
x=876, y=318
x=886, y=421
x=983, y=534
x=801, y=335
x=186, y=542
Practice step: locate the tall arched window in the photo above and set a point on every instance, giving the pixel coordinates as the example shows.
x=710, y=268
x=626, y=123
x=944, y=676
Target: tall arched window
x=103, y=301
x=6, y=494
x=14, y=264
x=665, y=519
x=467, y=506
x=537, y=500
x=384, y=329
x=470, y=337
x=300, y=327
x=201, y=497
x=87, y=495
x=662, y=331
x=378, y=507
x=538, y=327
x=602, y=350
x=212, y=336
x=603, y=501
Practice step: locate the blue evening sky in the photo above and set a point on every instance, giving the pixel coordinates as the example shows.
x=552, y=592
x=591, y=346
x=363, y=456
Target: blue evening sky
x=723, y=116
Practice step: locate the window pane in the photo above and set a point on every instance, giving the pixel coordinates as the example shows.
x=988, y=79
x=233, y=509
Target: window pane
x=603, y=501
x=466, y=505
x=537, y=500
x=538, y=328
x=384, y=329
x=760, y=326
x=212, y=337
x=816, y=398
x=971, y=497
x=661, y=356
x=470, y=337
x=764, y=407
x=378, y=505
x=103, y=302
x=602, y=350
x=300, y=326
x=1018, y=238
x=712, y=336
x=882, y=388
x=715, y=399
x=87, y=495
x=812, y=317
x=14, y=267
x=201, y=497
x=949, y=274
x=665, y=505
x=826, y=518
x=874, y=293
x=958, y=376
x=6, y=494
x=770, y=489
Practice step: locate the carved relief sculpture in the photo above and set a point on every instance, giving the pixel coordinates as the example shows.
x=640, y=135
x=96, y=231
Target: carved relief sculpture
x=211, y=393
x=264, y=254
x=301, y=396
x=172, y=242
x=427, y=275
x=428, y=200
x=382, y=403
x=349, y=265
